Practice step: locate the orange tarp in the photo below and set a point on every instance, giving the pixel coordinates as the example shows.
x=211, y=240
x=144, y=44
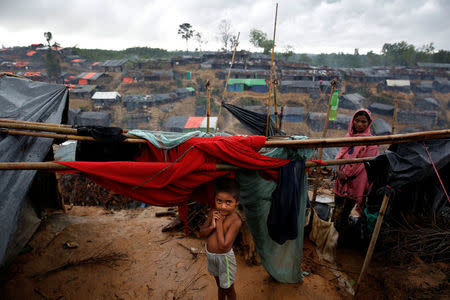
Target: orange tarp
x=194, y=122
x=96, y=63
x=82, y=81
x=89, y=75
x=127, y=80
x=31, y=53
x=21, y=63
x=76, y=60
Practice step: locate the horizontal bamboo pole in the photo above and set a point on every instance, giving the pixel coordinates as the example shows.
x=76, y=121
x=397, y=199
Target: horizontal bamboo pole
x=34, y=123
x=273, y=143
x=46, y=127
x=51, y=166
x=65, y=136
x=357, y=141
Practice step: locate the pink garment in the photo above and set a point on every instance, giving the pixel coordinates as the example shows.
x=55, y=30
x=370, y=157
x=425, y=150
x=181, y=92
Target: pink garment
x=357, y=185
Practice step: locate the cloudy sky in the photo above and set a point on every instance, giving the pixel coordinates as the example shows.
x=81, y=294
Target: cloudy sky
x=311, y=26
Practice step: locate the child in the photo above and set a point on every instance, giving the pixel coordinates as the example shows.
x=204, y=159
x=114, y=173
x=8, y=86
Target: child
x=221, y=228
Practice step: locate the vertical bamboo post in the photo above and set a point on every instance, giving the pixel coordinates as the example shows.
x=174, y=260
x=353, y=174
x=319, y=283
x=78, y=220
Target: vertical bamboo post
x=394, y=118
x=226, y=82
x=58, y=186
x=373, y=240
x=271, y=71
x=208, y=104
x=275, y=104
x=324, y=134
x=281, y=116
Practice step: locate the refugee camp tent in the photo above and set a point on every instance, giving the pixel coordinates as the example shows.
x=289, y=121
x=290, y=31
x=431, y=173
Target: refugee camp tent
x=23, y=99
x=106, y=98
x=380, y=127
x=351, y=101
x=428, y=103
x=254, y=85
x=113, y=65
x=92, y=118
x=381, y=109
x=176, y=123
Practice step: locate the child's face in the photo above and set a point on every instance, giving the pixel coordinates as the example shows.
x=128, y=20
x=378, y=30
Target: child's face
x=360, y=123
x=225, y=203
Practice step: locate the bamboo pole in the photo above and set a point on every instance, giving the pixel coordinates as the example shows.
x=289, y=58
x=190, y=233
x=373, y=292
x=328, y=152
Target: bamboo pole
x=53, y=166
x=274, y=143
x=226, y=82
x=373, y=240
x=275, y=106
x=324, y=134
x=208, y=104
x=134, y=140
x=394, y=118
x=271, y=70
x=46, y=127
x=34, y=123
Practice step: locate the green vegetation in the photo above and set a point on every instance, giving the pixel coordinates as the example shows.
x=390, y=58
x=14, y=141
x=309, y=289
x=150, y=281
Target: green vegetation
x=179, y=83
x=52, y=65
x=130, y=53
x=259, y=39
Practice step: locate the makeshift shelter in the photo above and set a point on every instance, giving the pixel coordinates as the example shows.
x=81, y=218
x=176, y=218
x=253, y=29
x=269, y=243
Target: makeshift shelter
x=316, y=121
x=93, y=78
x=422, y=87
x=427, y=104
x=298, y=86
x=351, y=101
x=20, y=191
x=425, y=118
x=380, y=127
x=134, y=101
x=176, y=123
x=442, y=85
x=113, y=65
x=91, y=118
x=254, y=85
x=396, y=85
x=106, y=98
x=82, y=91
x=381, y=109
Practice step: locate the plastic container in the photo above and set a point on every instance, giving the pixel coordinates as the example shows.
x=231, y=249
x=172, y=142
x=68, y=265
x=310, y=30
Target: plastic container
x=334, y=105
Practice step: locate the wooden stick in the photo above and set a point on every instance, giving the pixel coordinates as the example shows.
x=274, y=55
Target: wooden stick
x=274, y=143
x=58, y=186
x=226, y=82
x=271, y=71
x=373, y=240
x=65, y=136
x=324, y=134
x=208, y=104
x=46, y=127
x=52, y=166
x=34, y=123
x=394, y=118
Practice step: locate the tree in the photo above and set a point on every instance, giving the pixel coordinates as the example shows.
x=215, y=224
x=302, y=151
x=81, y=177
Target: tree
x=225, y=33
x=48, y=37
x=199, y=39
x=259, y=39
x=51, y=61
x=399, y=53
x=288, y=52
x=186, y=32
x=234, y=42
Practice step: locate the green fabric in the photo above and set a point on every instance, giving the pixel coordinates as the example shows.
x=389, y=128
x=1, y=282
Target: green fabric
x=169, y=140
x=247, y=81
x=371, y=220
x=282, y=262
x=190, y=89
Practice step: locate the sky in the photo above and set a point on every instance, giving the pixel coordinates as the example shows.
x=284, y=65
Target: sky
x=308, y=26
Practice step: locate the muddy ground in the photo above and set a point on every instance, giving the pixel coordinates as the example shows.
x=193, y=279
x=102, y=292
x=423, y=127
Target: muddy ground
x=94, y=253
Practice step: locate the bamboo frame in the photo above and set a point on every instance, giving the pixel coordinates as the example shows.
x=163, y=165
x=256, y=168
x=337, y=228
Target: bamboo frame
x=226, y=82
x=394, y=118
x=271, y=71
x=274, y=143
x=52, y=166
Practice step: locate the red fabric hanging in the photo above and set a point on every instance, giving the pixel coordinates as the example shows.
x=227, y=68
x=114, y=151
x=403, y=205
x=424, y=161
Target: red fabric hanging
x=173, y=176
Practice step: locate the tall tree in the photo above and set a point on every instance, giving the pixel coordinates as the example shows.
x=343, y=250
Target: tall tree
x=198, y=37
x=186, y=32
x=225, y=33
x=259, y=39
x=51, y=60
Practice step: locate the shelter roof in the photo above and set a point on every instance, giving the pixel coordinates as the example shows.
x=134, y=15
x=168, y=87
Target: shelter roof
x=397, y=82
x=82, y=88
x=89, y=75
x=113, y=63
x=105, y=95
x=247, y=81
x=434, y=65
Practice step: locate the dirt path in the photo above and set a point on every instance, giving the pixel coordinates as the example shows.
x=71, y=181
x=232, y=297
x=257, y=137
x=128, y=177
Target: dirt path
x=124, y=255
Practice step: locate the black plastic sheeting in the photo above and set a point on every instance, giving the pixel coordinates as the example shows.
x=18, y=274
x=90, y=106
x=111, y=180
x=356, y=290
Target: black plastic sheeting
x=255, y=122
x=407, y=169
x=25, y=100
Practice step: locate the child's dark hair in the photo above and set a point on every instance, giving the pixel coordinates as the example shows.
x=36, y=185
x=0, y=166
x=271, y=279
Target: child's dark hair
x=228, y=185
x=362, y=113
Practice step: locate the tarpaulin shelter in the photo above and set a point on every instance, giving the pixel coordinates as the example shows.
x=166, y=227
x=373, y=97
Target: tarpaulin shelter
x=26, y=100
x=408, y=169
x=247, y=84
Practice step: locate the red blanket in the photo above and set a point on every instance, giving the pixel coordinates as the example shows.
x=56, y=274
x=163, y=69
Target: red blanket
x=171, y=177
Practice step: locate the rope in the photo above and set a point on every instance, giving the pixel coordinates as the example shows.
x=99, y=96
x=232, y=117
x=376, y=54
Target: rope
x=437, y=173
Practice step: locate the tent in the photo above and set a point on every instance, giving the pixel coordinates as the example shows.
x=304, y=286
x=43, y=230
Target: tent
x=26, y=100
